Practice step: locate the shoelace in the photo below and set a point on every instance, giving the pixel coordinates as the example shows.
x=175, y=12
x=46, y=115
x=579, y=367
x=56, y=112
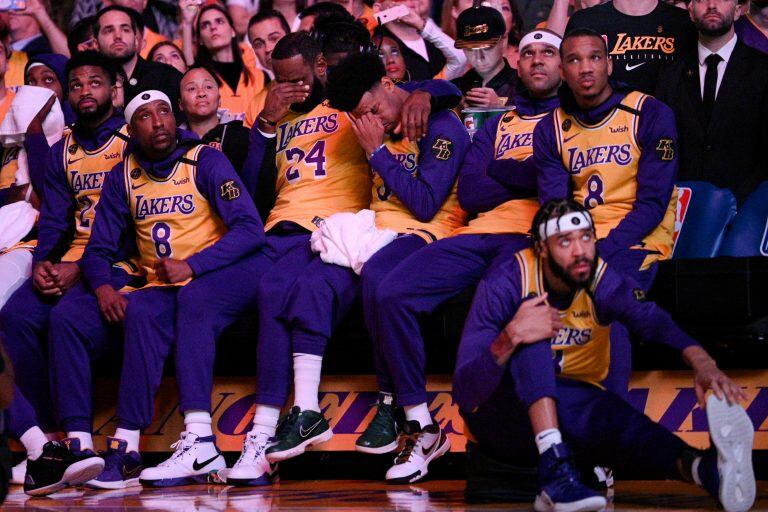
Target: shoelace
x=411, y=443
x=251, y=449
x=180, y=447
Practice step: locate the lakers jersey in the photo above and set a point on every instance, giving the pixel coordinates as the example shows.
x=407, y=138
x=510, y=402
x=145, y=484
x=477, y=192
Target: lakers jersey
x=581, y=349
x=603, y=162
x=514, y=140
x=86, y=171
x=10, y=165
x=321, y=169
x=172, y=219
x=392, y=214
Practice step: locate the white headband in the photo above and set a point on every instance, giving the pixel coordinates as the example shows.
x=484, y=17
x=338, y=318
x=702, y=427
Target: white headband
x=141, y=100
x=540, y=36
x=35, y=64
x=573, y=221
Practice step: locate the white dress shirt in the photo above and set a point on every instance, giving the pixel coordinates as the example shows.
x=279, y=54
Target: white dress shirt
x=725, y=53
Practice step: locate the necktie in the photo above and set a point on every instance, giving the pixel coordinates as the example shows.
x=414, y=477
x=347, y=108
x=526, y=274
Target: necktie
x=710, y=84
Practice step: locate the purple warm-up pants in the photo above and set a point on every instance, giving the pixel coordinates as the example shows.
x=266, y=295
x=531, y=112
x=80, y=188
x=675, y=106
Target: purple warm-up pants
x=324, y=294
x=599, y=426
x=191, y=317
x=29, y=329
x=417, y=286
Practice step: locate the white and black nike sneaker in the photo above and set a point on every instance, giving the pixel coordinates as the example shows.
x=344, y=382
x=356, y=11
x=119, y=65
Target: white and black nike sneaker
x=194, y=457
x=252, y=468
x=421, y=447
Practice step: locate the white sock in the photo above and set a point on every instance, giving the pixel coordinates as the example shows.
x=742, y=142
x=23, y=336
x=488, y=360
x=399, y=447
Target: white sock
x=306, y=381
x=198, y=422
x=33, y=440
x=695, y=471
x=265, y=420
x=546, y=438
x=85, y=438
x=420, y=413
x=129, y=436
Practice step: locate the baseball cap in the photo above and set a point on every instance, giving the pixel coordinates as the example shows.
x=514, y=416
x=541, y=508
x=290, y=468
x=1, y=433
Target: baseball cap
x=479, y=27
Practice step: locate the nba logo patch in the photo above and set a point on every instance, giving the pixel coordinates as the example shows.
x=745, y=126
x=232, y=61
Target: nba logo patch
x=684, y=195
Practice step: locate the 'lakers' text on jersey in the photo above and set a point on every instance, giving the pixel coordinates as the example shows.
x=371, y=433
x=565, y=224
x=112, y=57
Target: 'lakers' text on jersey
x=514, y=140
x=603, y=161
x=581, y=349
x=392, y=214
x=86, y=171
x=321, y=169
x=172, y=219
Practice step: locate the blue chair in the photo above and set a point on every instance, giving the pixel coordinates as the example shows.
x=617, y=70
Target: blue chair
x=703, y=214
x=748, y=235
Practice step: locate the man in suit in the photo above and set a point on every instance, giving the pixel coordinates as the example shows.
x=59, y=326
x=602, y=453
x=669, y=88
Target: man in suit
x=719, y=93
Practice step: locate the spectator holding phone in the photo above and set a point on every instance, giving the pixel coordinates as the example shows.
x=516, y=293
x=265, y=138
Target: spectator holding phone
x=33, y=31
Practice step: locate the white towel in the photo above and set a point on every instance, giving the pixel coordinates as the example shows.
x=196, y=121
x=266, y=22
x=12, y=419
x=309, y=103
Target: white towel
x=16, y=220
x=350, y=239
x=24, y=107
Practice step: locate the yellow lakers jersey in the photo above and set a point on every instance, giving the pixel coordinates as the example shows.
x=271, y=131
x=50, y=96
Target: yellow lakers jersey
x=582, y=348
x=514, y=140
x=172, y=219
x=86, y=171
x=392, y=214
x=10, y=165
x=321, y=169
x=603, y=162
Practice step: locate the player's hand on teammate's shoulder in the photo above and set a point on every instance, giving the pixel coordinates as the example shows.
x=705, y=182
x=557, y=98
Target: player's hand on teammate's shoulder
x=173, y=271
x=534, y=321
x=414, y=117
x=111, y=303
x=707, y=376
x=369, y=132
x=280, y=98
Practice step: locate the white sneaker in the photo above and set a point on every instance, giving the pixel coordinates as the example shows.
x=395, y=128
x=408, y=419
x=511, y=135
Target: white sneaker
x=253, y=468
x=421, y=447
x=194, y=457
x=18, y=472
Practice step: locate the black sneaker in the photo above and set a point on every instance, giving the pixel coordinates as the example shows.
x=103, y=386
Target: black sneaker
x=382, y=432
x=297, y=430
x=59, y=467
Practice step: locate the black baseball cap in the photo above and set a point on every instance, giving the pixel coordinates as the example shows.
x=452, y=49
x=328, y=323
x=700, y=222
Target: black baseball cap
x=479, y=27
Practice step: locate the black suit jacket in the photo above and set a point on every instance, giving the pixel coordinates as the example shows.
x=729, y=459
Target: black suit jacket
x=37, y=46
x=730, y=151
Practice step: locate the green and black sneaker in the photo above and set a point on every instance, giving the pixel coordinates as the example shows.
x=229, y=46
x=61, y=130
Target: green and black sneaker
x=381, y=435
x=297, y=430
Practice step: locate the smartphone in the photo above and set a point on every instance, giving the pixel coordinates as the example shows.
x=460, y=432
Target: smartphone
x=13, y=5
x=391, y=14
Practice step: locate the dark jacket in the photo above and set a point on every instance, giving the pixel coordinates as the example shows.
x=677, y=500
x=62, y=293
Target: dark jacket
x=232, y=139
x=503, y=83
x=38, y=45
x=154, y=75
x=730, y=150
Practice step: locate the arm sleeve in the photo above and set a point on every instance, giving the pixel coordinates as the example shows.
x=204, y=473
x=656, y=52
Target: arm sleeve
x=37, y=150
x=424, y=189
x=259, y=160
x=456, y=61
x=245, y=232
x=552, y=177
x=479, y=192
x=620, y=299
x=57, y=210
x=656, y=176
x=444, y=94
x=496, y=300
x=111, y=224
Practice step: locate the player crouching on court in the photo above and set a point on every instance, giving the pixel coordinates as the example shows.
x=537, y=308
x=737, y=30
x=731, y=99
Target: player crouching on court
x=536, y=345
x=197, y=234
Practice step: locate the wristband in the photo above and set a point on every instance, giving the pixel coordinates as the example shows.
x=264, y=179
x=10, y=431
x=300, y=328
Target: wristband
x=375, y=151
x=267, y=121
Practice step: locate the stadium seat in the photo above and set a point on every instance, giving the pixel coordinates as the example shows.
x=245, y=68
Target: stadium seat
x=748, y=235
x=703, y=214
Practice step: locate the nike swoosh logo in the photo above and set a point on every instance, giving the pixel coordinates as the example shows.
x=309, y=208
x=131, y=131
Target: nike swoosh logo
x=569, y=138
x=197, y=465
x=305, y=433
x=629, y=67
x=70, y=162
x=131, y=473
x=426, y=451
x=134, y=187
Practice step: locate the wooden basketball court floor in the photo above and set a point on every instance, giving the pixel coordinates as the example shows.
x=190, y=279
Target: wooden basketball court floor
x=346, y=495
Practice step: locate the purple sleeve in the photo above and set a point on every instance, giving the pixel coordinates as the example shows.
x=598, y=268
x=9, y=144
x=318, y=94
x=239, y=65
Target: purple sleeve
x=37, y=150
x=496, y=300
x=552, y=177
x=656, y=174
x=618, y=299
x=424, y=190
x=257, y=149
x=216, y=179
x=444, y=95
x=111, y=225
x=55, y=226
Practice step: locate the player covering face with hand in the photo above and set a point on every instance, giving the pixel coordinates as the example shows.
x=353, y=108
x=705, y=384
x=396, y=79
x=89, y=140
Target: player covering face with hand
x=536, y=346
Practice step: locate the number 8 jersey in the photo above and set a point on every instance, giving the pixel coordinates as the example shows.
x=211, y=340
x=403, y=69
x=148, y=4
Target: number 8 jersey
x=172, y=219
x=86, y=171
x=321, y=169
